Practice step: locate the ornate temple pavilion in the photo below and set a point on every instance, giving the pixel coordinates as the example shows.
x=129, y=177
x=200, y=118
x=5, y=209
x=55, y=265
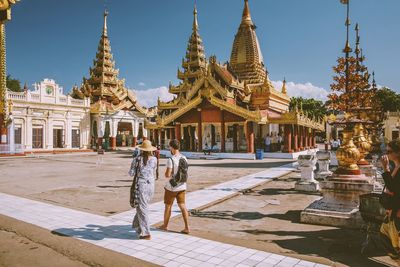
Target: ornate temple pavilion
x=116, y=116
x=231, y=106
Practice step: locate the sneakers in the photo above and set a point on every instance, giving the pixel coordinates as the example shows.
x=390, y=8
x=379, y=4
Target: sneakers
x=145, y=237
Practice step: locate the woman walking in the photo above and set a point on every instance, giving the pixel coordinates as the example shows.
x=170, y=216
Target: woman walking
x=143, y=169
x=391, y=227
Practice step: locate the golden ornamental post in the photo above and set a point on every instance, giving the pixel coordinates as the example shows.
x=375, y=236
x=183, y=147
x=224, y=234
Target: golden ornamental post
x=5, y=15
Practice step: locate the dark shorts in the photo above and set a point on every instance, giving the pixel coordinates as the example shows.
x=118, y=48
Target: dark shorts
x=170, y=196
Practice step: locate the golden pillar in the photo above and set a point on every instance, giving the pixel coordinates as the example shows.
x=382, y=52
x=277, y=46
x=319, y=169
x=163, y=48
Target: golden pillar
x=5, y=15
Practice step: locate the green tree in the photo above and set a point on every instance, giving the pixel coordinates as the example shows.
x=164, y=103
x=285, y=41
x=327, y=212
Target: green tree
x=13, y=84
x=315, y=109
x=389, y=99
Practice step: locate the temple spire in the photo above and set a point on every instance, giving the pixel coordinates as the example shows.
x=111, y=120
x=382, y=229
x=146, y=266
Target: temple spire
x=284, y=89
x=105, y=23
x=357, y=50
x=246, y=17
x=195, y=57
x=373, y=80
x=195, y=22
x=247, y=61
x=103, y=81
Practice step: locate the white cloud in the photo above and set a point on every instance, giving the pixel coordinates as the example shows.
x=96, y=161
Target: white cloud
x=142, y=84
x=148, y=98
x=305, y=90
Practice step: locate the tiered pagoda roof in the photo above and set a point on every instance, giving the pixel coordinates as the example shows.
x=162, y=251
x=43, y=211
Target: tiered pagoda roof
x=247, y=61
x=106, y=91
x=241, y=86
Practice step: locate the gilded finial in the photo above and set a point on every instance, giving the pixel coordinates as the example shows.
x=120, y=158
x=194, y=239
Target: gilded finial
x=284, y=90
x=105, y=22
x=357, y=51
x=246, y=17
x=373, y=80
x=6, y=4
x=195, y=22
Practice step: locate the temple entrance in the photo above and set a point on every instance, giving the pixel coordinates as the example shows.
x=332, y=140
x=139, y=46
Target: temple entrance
x=189, y=142
x=58, y=138
x=212, y=137
x=106, y=137
x=94, y=135
x=124, y=134
x=37, y=137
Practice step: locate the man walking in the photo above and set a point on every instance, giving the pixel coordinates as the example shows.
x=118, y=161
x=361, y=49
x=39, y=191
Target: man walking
x=175, y=189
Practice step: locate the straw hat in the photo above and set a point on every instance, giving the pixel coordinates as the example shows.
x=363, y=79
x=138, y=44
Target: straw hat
x=146, y=146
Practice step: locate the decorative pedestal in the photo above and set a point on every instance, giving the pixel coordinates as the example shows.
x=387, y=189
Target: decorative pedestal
x=339, y=204
x=307, y=167
x=324, y=158
x=368, y=170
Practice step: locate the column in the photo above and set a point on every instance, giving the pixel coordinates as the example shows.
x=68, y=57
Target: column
x=3, y=135
x=300, y=133
x=311, y=138
x=50, y=133
x=154, y=137
x=68, y=131
x=250, y=137
x=200, y=131
x=145, y=133
x=113, y=137
x=315, y=138
x=28, y=133
x=11, y=136
x=100, y=131
x=307, y=138
x=235, y=131
x=135, y=131
x=288, y=139
x=178, y=131
x=295, y=139
x=222, y=131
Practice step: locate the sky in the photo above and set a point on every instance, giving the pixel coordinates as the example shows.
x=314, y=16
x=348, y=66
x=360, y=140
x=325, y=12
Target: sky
x=300, y=40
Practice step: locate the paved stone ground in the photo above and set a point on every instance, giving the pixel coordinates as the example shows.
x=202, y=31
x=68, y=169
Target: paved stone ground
x=268, y=218
x=75, y=181
x=166, y=248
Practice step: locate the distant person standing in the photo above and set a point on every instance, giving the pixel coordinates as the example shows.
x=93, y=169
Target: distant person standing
x=143, y=169
x=274, y=141
x=280, y=142
x=267, y=143
x=175, y=188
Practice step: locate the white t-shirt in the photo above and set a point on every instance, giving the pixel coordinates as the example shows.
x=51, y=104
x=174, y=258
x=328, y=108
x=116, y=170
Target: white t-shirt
x=180, y=186
x=267, y=140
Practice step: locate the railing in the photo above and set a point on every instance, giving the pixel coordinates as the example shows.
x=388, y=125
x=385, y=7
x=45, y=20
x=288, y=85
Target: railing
x=35, y=98
x=32, y=97
x=77, y=102
x=6, y=149
x=16, y=96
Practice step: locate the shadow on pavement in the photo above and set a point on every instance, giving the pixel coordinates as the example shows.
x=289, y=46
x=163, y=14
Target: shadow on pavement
x=229, y=215
x=338, y=245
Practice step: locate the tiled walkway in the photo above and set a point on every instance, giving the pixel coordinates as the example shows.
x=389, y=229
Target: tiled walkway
x=166, y=248
x=205, y=197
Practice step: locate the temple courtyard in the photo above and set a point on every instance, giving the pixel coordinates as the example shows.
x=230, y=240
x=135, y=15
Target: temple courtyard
x=69, y=209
